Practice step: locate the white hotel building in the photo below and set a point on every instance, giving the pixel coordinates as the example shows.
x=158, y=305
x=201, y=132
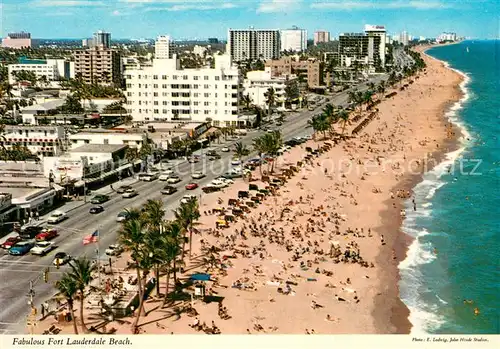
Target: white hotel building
x=166, y=92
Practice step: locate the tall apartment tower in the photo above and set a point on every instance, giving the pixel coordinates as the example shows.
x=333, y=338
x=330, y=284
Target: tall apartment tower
x=321, y=36
x=98, y=65
x=101, y=38
x=359, y=47
x=378, y=30
x=164, y=48
x=253, y=44
x=403, y=38
x=294, y=39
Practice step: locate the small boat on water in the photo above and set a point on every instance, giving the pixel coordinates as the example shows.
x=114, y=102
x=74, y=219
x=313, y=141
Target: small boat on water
x=467, y=49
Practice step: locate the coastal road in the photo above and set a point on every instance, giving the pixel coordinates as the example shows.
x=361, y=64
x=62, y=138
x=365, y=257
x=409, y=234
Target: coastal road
x=17, y=271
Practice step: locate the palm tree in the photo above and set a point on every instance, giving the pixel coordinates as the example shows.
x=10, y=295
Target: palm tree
x=171, y=248
x=131, y=236
x=343, y=115
x=260, y=147
x=270, y=99
x=81, y=272
x=187, y=214
x=271, y=142
x=320, y=123
x=67, y=287
x=247, y=100
x=240, y=150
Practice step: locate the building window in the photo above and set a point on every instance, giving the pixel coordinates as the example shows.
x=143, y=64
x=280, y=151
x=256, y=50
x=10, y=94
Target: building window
x=195, y=103
x=205, y=77
x=155, y=94
x=155, y=103
x=155, y=86
x=164, y=111
x=206, y=86
x=207, y=112
x=217, y=78
x=156, y=111
x=206, y=104
x=164, y=77
x=206, y=95
x=164, y=86
x=155, y=77
x=185, y=77
x=174, y=77
x=164, y=102
x=195, y=77
x=176, y=103
x=175, y=94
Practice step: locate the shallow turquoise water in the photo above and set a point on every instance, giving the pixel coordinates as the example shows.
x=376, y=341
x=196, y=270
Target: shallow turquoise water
x=459, y=212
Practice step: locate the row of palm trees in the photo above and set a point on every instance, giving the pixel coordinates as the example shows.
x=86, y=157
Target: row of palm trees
x=154, y=244
x=330, y=115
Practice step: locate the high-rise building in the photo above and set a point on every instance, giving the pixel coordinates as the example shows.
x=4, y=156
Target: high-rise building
x=101, y=38
x=403, y=38
x=359, y=47
x=321, y=36
x=17, y=40
x=52, y=69
x=166, y=92
x=447, y=37
x=98, y=65
x=294, y=39
x=253, y=44
x=164, y=47
x=378, y=30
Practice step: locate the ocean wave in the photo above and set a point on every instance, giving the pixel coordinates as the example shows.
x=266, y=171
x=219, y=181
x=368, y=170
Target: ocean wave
x=418, y=253
x=423, y=321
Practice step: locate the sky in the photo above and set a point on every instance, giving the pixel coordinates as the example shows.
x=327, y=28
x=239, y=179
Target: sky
x=200, y=19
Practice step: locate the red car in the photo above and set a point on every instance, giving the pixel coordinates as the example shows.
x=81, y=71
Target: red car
x=191, y=186
x=46, y=235
x=11, y=242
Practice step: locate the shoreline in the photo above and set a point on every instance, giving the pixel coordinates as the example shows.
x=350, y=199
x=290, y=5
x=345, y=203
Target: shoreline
x=400, y=320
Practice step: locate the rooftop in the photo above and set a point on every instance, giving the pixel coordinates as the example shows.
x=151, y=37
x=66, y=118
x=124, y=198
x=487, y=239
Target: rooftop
x=45, y=106
x=99, y=148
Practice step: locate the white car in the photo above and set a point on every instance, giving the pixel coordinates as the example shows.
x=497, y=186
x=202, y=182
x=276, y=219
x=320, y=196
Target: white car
x=197, y=175
x=173, y=179
x=166, y=174
x=228, y=181
x=43, y=247
x=56, y=217
x=236, y=162
x=114, y=250
x=61, y=258
x=218, y=184
x=225, y=149
x=129, y=193
x=185, y=199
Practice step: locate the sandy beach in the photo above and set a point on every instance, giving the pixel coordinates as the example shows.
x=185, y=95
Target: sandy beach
x=321, y=255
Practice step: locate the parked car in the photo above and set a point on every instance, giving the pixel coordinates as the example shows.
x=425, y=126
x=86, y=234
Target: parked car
x=99, y=199
x=122, y=216
x=236, y=162
x=148, y=177
x=42, y=248
x=211, y=152
x=173, y=179
x=168, y=190
x=46, y=234
x=30, y=232
x=96, y=209
x=228, y=181
x=186, y=198
x=129, y=193
x=123, y=189
x=11, y=242
x=56, y=217
x=214, y=157
x=231, y=175
x=114, y=250
x=191, y=186
x=218, y=184
x=197, y=175
x=225, y=149
x=193, y=159
x=61, y=258
x=21, y=248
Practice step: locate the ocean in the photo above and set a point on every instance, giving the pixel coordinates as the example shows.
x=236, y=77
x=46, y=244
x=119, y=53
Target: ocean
x=456, y=252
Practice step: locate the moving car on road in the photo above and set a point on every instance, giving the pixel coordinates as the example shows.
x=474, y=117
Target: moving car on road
x=42, y=248
x=99, y=199
x=197, y=175
x=193, y=159
x=96, y=209
x=29, y=232
x=235, y=162
x=56, y=217
x=61, y=258
x=191, y=186
x=214, y=157
x=148, y=177
x=46, y=234
x=21, y=248
x=166, y=174
x=129, y=193
x=173, y=179
x=114, y=250
x=123, y=189
x=225, y=149
x=168, y=190
x=11, y=242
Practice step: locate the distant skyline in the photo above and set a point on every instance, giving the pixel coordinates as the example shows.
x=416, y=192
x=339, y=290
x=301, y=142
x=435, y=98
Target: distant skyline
x=200, y=19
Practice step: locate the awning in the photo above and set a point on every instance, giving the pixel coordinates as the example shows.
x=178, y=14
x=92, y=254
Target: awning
x=57, y=187
x=200, y=277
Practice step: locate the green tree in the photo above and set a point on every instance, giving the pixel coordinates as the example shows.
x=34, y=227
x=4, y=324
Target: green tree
x=72, y=105
x=67, y=287
x=187, y=214
x=82, y=271
x=320, y=123
x=247, y=100
x=240, y=150
x=270, y=99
